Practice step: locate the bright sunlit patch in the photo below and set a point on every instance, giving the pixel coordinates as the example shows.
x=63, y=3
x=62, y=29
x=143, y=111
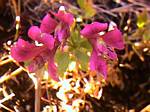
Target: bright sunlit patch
x=78, y=103
x=72, y=66
x=67, y=108
x=38, y=44
x=62, y=8
x=61, y=95
x=128, y=21
x=137, y=44
x=100, y=93
x=101, y=33
x=117, y=1
x=9, y=42
x=17, y=22
x=79, y=19
x=126, y=28
x=66, y=85
x=145, y=49
x=121, y=65
x=70, y=55
x=50, y=108
x=17, y=18
x=111, y=26
x=46, y=75
x=17, y=26
x=88, y=88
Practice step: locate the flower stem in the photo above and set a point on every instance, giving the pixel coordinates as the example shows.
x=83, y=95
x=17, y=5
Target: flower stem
x=37, y=94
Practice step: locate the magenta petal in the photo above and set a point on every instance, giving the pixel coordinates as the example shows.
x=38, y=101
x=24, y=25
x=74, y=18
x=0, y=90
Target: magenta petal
x=52, y=69
x=114, y=39
x=35, y=65
x=93, y=60
x=65, y=17
x=24, y=50
x=94, y=43
x=102, y=67
x=92, y=30
x=48, y=24
x=97, y=63
x=102, y=49
x=47, y=40
x=32, y=67
x=62, y=33
x=111, y=53
x=39, y=61
x=98, y=48
x=34, y=32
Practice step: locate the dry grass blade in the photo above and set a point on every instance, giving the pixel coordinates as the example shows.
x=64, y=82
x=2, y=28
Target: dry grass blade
x=5, y=61
x=5, y=99
x=6, y=108
x=14, y=73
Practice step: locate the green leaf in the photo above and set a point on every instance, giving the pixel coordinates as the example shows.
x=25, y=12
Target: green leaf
x=74, y=40
x=81, y=3
x=62, y=59
x=78, y=42
x=85, y=44
x=75, y=36
x=82, y=58
x=90, y=11
x=87, y=6
x=142, y=19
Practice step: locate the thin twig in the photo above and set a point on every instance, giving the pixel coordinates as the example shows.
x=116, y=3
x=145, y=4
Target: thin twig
x=122, y=9
x=14, y=6
x=105, y=11
x=6, y=108
x=128, y=7
x=7, y=77
x=5, y=61
x=7, y=98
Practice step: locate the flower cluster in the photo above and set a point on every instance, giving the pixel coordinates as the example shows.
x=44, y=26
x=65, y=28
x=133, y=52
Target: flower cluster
x=103, y=38
x=44, y=52
x=54, y=32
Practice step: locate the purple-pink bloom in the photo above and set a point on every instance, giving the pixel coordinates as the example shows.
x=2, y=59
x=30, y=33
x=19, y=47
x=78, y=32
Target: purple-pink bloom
x=39, y=55
x=64, y=17
x=114, y=39
x=24, y=51
x=92, y=30
x=97, y=63
x=48, y=24
x=62, y=31
x=103, y=45
x=36, y=34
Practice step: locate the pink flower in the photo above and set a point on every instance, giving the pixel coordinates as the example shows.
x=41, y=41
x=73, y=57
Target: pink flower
x=97, y=63
x=62, y=31
x=103, y=44
x=38, y=55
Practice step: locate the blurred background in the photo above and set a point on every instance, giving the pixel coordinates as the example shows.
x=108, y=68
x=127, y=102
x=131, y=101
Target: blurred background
x=127, y=87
